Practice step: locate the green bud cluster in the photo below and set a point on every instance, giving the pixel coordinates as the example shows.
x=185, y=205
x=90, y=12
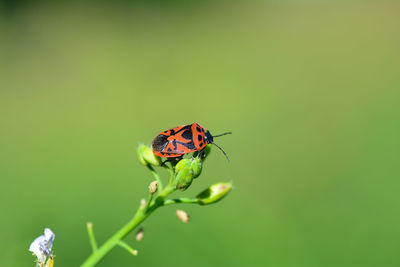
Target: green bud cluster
x=182, y=174
x=185, y=171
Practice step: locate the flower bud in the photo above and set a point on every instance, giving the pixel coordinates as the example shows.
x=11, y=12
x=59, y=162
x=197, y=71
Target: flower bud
x=214, y=193
x=147, y=157
x=183, y=216
x=186, y=170
x=153, y=187
x=140, y=234
x=197, y=167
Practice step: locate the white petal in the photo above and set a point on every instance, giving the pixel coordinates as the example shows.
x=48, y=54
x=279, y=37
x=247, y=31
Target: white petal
x=49, y=235
x=36, y=248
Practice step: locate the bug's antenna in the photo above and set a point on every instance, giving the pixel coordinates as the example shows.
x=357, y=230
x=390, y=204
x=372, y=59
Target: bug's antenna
x=218, y=135
x=222, y=151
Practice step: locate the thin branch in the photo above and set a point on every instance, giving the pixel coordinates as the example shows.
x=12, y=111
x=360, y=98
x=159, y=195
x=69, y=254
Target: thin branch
x=92, y=239
x=124, y=245
x=181, y=200
x=170, y=170
x=149, y=201
x=156, y=176
x=137, y=219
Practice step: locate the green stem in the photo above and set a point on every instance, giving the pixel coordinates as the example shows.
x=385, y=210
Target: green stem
x=92, y=239
x=124, y=245
x=149, y=201
x=181, y=200
x=170, y=171
x=141, y=214
x=156, y=176
x=98, y=255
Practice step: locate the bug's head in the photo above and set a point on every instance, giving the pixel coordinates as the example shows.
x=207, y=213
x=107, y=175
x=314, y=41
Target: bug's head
x=210, y=140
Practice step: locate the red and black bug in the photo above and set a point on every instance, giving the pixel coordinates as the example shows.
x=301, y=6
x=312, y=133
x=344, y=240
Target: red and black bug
x=182, y=140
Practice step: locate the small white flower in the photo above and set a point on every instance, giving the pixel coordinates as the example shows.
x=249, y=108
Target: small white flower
x=42, y=245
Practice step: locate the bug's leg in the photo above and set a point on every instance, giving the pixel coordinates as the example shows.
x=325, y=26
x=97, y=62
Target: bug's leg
x=164, y=162
x=167, y=160
x=173, y=161
x=201, y=154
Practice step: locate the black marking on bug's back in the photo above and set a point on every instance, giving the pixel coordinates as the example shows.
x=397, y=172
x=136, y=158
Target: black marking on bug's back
x=186, y=127
x=159, y=142
x=200, y=138
x=189, y=145
x=175, y=145
x=199, y=129
x=187, y=134
x=173, y=132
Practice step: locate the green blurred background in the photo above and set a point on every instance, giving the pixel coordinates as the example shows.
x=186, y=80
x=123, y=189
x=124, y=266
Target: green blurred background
x=310, y=90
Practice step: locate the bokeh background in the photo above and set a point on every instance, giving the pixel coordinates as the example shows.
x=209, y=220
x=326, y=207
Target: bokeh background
x=310, y=90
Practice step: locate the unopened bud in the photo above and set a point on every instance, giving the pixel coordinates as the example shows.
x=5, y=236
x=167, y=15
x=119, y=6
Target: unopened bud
x=197, y=167
x=153, y=187
x=214, y=193
x=147, y=157
x=183, y=216
x=186, y=170
x=140, y=234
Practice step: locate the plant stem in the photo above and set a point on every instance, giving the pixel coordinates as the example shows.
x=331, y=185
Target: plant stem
x=149, y=201
x=141, y=214
x=156, y=176
x=98, y=255
x=91, y=236
x=124, y=245
x=181, y=200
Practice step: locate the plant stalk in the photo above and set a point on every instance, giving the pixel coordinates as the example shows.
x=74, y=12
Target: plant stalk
x=141, y=214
